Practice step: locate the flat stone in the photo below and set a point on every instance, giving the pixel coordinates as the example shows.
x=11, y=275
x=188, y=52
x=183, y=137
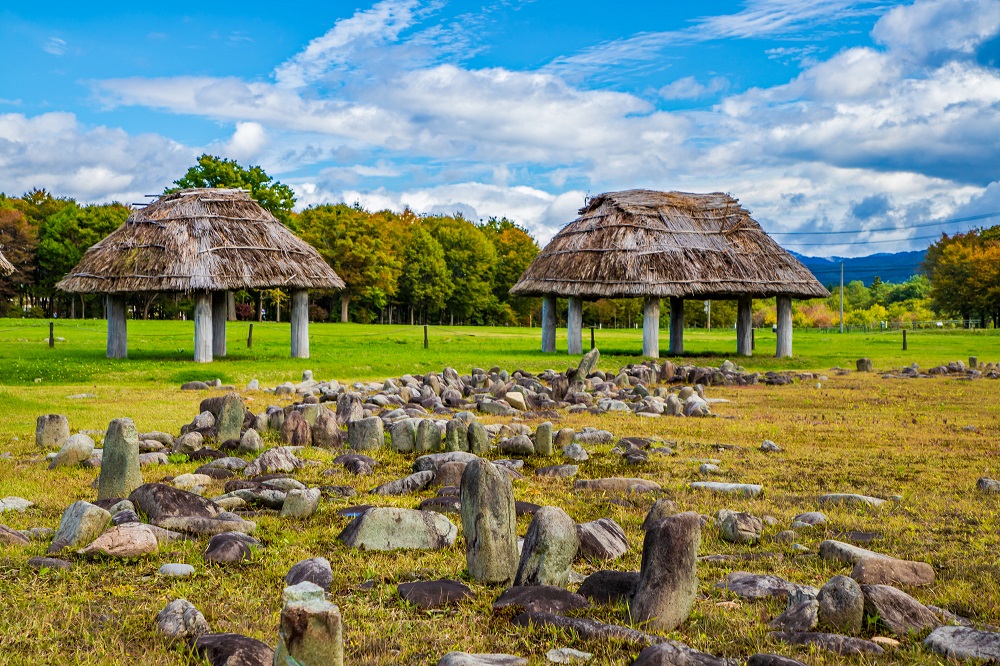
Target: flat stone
x=491, y=659
x=811, y=518
x=383, y=528
x=759, y=586
x=433, y=461
x=764, y=659
x=587, y=629
x=18, y=504
x=315, y=570
x=746, y=489
x=176, y=570
x=233, y=650
x=126, y=540
x=558, y=471
x=9, y=537
x=609, y=587
x=49, y=563
x=988, y=486
x=890, y=571
x=672, y=653
x=838, y=551
x=411, y=484
x=567, y=656
x=366, y=434
x=740, y=527
x=445, y=504
x=159, y=501
x=964, y=643
x=602, y=539
x=617, y=485
x=850, y=499
x=430, y=594
x=545, y=598
x=897, y=611
x=842, y=645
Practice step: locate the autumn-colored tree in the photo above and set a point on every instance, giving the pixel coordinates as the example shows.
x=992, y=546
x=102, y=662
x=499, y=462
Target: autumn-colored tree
x=18, y=240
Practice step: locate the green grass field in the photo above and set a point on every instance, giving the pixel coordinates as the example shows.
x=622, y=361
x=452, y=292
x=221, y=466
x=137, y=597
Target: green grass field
x=853, y=433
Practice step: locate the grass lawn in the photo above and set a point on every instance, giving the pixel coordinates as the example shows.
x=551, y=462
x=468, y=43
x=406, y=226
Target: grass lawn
x=854, y=433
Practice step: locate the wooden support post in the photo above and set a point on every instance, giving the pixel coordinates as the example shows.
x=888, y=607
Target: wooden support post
x=203, y=327
x=676, y=326
x=425, y=336
x=753, y=339
x=117, y=327
x=574, y=326
x=904, y=339
x=592, y=343
x=744, y=326
x=250, y=337
x=300, y=323
x=548, y=323
x=783, y=347
x=220, y=313
x=651, y=327
x=52, y=338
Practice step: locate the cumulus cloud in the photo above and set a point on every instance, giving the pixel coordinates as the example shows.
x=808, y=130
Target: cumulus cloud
x=690, y=88
x=247, y=142
x=931, y=29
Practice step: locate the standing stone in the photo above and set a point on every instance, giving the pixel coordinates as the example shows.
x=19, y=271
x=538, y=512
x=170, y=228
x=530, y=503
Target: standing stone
x=365, y=434
x=456, y=436
x=865, y=365
x=120, y=473
x=588, y=364
x=250, y=442
x=311, y=632
x=428, y=437
x=564, y=438
x=295, y=431
x=81, y=523
x=349, y=408
x=549, y=548
x=75, y=450
x=229, y=422
x=668, y=578
x=543, y=439
x=51, y=431
x=326, y=434
x=479, y=439
x=404, y=435
x=489, y=522
x=841, y=605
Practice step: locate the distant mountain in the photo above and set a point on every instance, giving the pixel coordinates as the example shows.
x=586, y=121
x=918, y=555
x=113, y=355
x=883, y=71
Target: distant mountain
x=890, y=267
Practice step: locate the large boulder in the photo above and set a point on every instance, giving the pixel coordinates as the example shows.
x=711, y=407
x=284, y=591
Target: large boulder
x=383, y=528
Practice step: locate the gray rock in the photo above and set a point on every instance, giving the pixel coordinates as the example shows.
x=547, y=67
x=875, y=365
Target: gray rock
x=811, y=518
x=558, y=471
x=74, y=451
x=491, y=659
x=159, y=501
x=763, y=659
x=51, y=431
x=745, y=489
x=760, y=586
x=575, y=452
x=181, y=621
x=449, y=474
x=233, y=650
x=188, y=443
x=549, y=548
x=544, y=598
x=250, y=442
x=897, y=611
x=964, y=643
x=301, y=503
x=120, y=473
x=479, y=439
x=662, y=508
x=383, y=528
x=587, y=629
x=310, y=628
x=609, y=587
x=489, y=523
x=456, y=436
x=838, y=551
x=411, y=484
x=671, y=653
x=564, y=438
x=207, y=526
x=403, y=435
x=850, y=499
x=740, y=527
x=278, y=459
x=890, y=571
x=428, y=437
x=229, y=422
x=543, y=439
x=770, y=447
x=567, y=656
x=519, y=445
x=9, y=537
x=841, y=605
x=617, y=485
x=434, y=461
x=230, y=548
x=865, y=365
x=176, y=570
x=52, y=563
x=315, y=570
x=843, y=645
x=988, y=486
x=431, y=594
x=125, y=540
x=365, y=434
x=81, y=523
x=296, y=431
x=326, y=432
x=668, y=579
x=798, y=616
x=602, y=539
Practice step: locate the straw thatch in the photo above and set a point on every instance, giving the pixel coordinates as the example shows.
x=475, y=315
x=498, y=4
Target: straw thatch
x=643, y=243
x=6, y=268
x=200, y=240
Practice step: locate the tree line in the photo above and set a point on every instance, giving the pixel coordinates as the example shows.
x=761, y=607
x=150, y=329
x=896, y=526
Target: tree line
x=400, y=267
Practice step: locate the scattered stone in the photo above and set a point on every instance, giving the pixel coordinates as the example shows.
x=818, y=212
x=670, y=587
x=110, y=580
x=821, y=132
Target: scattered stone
x=492, y=659
x=230, y=548
x=120, y=473
x=250, y=442
x=575, y=452
x=890, y=571
x=49, y=563
x=301, y=503
x=671, y=653
x=229, y=421
x=549, y=548
x=897, y=611
x=310, y=629
x=587, y=629
x=762, y=659
x=617, y=485
x=74, y=451
x=411, y=484
x=850, y=499
x=964, y=643
x=740, y=527
x=760, y=586
x=51, y=431
x=567, y=656
x=176, y=570
x=841, y=605
x=18, y=504
x=479, y=439
x=746, y=489
x=9, y=537
x=558, y=471
x=662, y=508
x=838, y=551
x=365, y=434
x=543, y=439
x=81, y=523
x=385, y=528
x=278, y=459
x=602, y=539
x=181, y=621
x=802, y=614
x=544, y=598
x=609, y=587
x=668, y=580
x=811, y=518
x=233, y=650
x=315, y=570
x=842, y=645
x=865, y=365
x=431, y=594
x=456, y=436
x=770, y=447
x=127, y=540
x=159, y=501
x=489, y=523
x=434, y=461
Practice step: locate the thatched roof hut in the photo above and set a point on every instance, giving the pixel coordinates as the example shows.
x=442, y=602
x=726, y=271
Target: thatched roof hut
x=641, y=243
x=6, y=268
x=206, y=242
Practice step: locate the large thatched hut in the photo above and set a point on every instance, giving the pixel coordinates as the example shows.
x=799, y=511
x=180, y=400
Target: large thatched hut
x=6, y=268
x=651, y=245
x=205, y=242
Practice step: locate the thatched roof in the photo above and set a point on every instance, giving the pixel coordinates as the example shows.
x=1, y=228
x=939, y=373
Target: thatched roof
x=644, y=243
x=200, y=240
x=6, y=268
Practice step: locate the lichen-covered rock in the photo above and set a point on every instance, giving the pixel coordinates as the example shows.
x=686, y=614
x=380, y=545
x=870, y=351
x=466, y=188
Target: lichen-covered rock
x=383, y=528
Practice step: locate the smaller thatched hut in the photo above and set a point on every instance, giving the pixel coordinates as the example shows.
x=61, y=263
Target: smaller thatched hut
x=205, y=242
x=650, y=245
x=6, y=268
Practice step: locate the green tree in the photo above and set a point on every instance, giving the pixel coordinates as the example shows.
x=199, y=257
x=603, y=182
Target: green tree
x=515, y=250
x=424, y=282
x=65, y=236
x=212, y=171
x=354, y=243
x=471, y=259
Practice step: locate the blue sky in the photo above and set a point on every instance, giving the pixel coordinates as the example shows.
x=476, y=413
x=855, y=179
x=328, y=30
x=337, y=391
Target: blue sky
x=819, y=115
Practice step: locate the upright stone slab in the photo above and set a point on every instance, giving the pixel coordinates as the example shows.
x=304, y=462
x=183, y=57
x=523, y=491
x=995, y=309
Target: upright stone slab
x=543, y=439
x=489, y=523
x=51, y=431
x=120, y=473
x=311, y=631
x=428, y=437
x=295, y=431
x=404, y=435
x=366, y=434
x=479, y=439
x=549, y=548
x=326, y=434
x=81, y=523
x=456, y=436
x=668, y=579
x=229, y=422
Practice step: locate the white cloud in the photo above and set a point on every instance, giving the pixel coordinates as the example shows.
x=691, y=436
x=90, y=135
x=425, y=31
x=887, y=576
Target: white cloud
x=936, y=27
x=690, y=88
x=55, y=46
x=247, y=142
